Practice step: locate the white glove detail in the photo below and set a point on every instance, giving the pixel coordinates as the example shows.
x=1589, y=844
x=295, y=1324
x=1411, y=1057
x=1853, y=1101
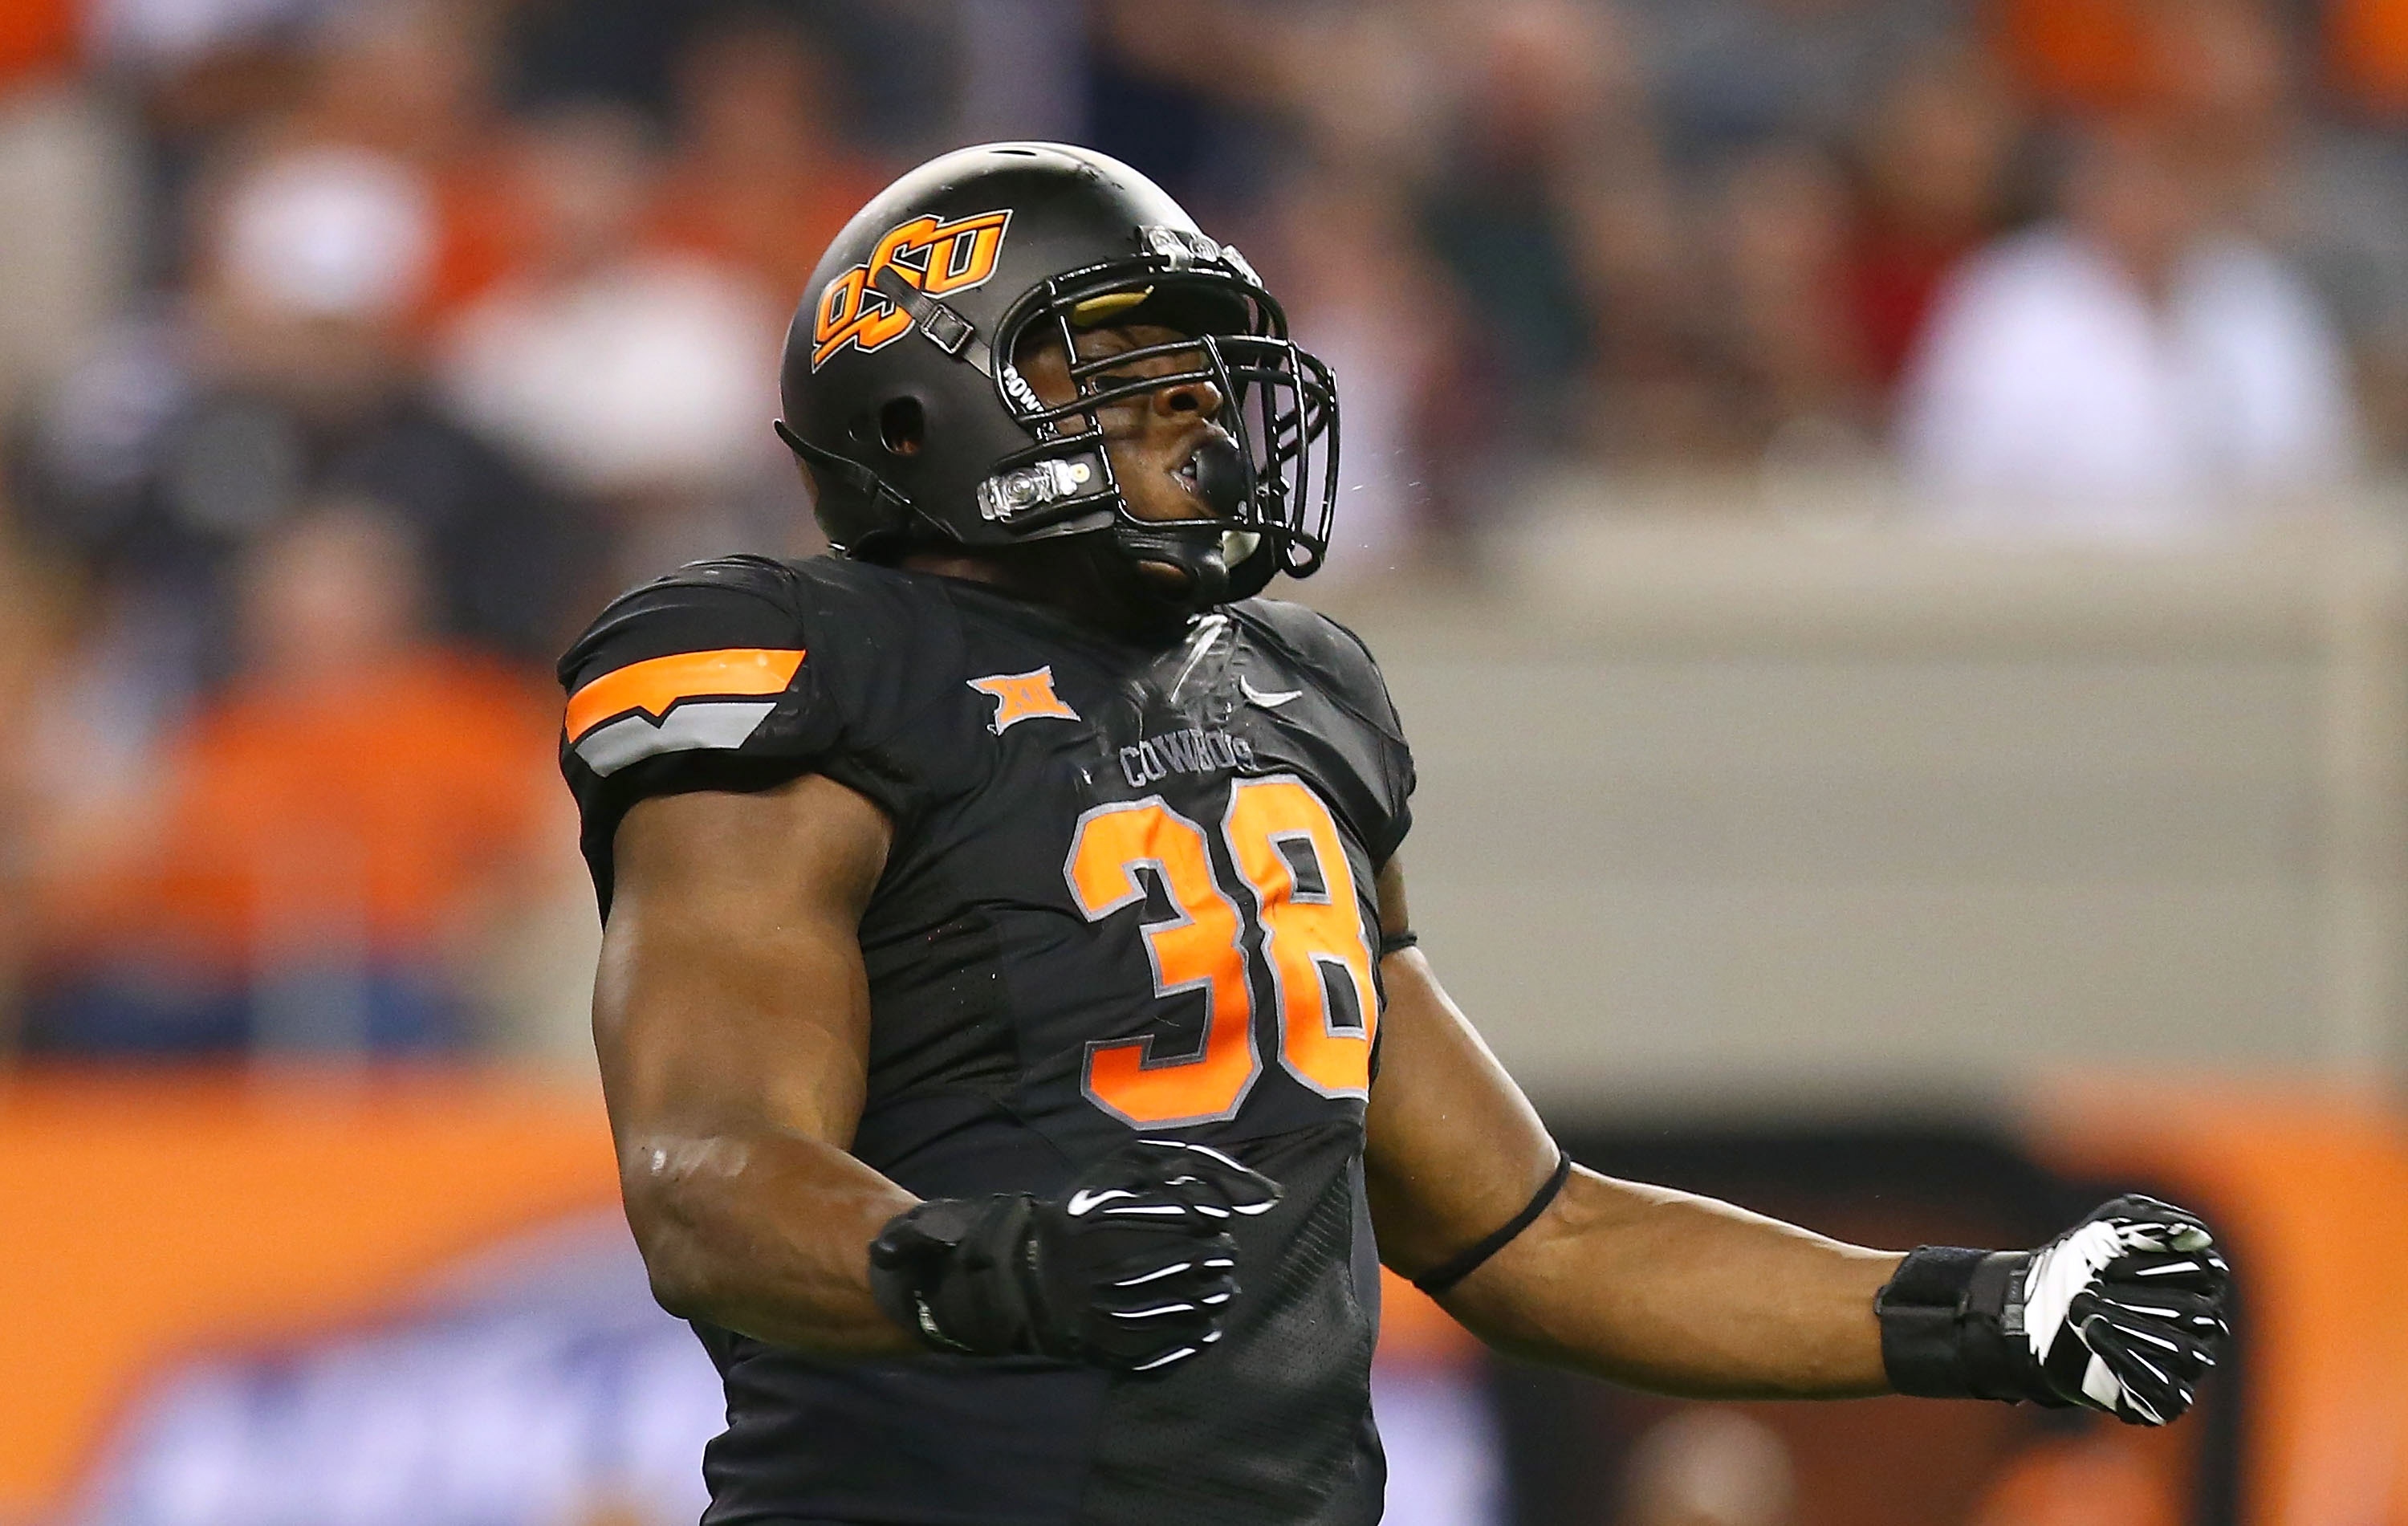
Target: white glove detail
x=2125, y=1311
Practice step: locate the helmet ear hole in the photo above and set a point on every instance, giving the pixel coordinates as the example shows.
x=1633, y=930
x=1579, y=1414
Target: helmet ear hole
x=902, y=426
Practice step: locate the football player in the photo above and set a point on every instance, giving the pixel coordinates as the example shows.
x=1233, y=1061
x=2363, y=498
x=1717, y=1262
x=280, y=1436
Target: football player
x=1017, y=1050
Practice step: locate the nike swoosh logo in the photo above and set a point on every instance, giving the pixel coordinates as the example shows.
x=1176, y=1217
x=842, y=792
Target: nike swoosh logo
x=1268, y=701
x=1083, y=1200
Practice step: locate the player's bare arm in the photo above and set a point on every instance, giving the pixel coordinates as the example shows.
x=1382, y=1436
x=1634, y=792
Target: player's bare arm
x=1685, y=1295
x=1644, y=1285
x=732, y=1018
x=731, y=1013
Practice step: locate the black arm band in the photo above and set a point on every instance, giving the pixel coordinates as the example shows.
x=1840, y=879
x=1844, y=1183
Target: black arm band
x=1396, y=942
x=1945, y=1330
x=1455, y=1268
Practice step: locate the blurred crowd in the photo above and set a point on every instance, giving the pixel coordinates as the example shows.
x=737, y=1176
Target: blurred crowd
x=356, y=350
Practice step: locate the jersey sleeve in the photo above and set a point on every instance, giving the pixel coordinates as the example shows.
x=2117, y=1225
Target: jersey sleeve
x=718, y=677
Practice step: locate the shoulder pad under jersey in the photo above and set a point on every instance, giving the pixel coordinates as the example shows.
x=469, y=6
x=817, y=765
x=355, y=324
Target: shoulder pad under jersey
x=738, y=675
x=1352, y=680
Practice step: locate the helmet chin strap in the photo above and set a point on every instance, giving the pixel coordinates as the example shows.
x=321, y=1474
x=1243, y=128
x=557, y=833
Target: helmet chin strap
x=1193, y=550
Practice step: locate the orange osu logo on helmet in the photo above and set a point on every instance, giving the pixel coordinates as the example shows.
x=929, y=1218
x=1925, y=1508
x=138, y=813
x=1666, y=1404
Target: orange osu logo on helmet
x=935, y=256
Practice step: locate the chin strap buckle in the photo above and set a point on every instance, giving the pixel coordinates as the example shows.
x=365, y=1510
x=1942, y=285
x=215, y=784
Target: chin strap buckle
x=1010, y=497
x=940, y=325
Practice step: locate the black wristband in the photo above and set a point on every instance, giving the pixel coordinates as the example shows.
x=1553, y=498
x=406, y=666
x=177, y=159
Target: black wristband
x=1455, y=1268
x=1950, y=1327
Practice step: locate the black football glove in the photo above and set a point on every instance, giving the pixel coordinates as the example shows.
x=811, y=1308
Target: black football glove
x=1132, y=1269
x=2123, y=1313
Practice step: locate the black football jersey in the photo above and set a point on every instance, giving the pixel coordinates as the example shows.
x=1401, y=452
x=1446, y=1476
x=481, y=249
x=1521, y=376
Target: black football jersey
x=1130, y=890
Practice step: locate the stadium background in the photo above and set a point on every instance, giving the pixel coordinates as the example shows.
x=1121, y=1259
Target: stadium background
x=1881, y=517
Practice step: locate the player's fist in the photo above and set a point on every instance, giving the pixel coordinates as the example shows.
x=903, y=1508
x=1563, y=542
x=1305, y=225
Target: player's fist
x=1133, y=1268
x=2125, y=1311
x=2122, y=1313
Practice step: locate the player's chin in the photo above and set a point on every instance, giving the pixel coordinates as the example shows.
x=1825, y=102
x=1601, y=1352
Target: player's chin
x=1166, y=581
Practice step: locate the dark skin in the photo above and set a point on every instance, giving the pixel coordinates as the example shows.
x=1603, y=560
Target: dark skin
x=732, y=1018
x=1149, y=439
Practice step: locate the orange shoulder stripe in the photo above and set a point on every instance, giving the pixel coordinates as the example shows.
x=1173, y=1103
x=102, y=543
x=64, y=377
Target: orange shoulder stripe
x=655, y=685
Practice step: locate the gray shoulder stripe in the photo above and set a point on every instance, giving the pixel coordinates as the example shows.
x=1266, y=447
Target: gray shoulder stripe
x=701, y=725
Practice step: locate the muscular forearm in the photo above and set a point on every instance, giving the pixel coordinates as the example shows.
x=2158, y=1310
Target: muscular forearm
x=1683, y=1295
x=764, y=1233
x=731, y=1018
x=1687, y=1296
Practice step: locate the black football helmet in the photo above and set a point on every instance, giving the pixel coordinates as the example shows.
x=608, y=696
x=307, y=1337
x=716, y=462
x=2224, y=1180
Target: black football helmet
x=900, y=392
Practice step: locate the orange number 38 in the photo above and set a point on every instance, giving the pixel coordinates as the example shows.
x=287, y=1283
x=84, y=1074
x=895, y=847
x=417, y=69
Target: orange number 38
x=1285, y=847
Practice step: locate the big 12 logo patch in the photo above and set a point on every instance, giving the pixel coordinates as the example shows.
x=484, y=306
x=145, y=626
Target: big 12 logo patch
x=932, y=255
